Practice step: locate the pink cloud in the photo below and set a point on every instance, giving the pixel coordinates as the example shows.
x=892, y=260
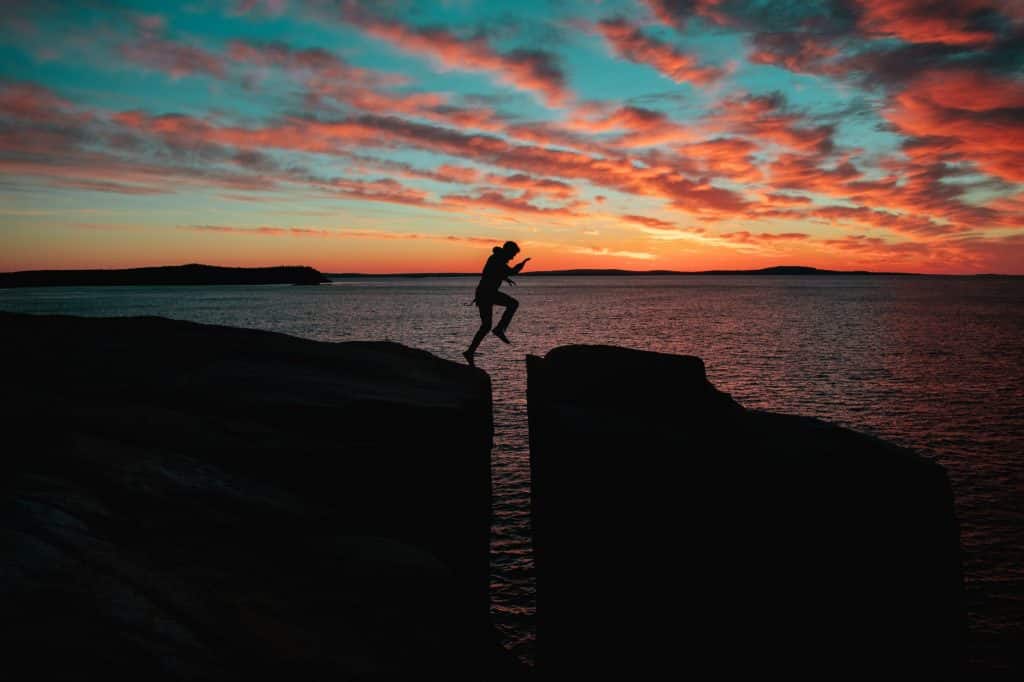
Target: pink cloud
x=678, y=12
x=534, y=71
x=520, y=204
x=653, y=223
x=922, y=21
x=629, y=42
x=745, y=237
x=966, y=114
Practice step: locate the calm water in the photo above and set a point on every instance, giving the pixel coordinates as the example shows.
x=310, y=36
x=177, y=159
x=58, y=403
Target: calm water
x=932, y=363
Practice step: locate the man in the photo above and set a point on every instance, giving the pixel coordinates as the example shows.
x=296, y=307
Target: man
x=496, y=271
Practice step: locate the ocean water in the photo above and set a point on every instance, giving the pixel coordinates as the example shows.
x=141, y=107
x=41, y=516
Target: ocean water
x=933, y=363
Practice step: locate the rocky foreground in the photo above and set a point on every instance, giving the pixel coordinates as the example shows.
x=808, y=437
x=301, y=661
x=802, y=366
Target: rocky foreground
x=676, y=530
x=184, y=501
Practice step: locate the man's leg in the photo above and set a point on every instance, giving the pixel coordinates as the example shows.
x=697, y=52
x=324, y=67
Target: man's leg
x=511, y=305
x=486, y=318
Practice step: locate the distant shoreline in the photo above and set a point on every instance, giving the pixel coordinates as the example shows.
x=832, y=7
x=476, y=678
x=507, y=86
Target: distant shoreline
x=173, y=275
x=198, y=275
x=784, y=271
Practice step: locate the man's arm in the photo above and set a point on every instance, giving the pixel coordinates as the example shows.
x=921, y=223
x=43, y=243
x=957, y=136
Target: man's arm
x=514, y=270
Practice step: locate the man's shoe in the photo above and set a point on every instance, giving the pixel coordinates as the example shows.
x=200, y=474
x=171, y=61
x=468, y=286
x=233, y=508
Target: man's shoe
x=469, y=357
x=500, y=333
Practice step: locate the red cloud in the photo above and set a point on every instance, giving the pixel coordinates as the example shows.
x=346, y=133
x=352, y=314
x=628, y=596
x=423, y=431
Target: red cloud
x=375, y=131
x=908, y=224
x=531, y=70
x=650, y=222
x=643, y=127
x=745, y=237
x=630, y=43
x=792, y=171
x=506, y=203
x=861, y=242
x=958, y=113
x=728, y=157
x=925, y=21
x=678, y=12
x=37, y=105
x=764, y=117
x=796, y=52
x=453, y=173
x=533, y=185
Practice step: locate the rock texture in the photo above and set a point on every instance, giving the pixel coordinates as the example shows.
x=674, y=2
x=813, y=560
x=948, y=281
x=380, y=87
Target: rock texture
x=184, y=501
x=675, y=530
x=192, y=274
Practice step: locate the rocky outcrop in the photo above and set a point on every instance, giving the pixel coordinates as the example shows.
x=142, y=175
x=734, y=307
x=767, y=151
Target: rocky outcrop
x=675, y=530
x=193, y=274
x=185, y=501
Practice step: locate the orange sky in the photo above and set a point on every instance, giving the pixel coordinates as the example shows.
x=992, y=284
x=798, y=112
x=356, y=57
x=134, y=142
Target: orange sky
x=411, y=137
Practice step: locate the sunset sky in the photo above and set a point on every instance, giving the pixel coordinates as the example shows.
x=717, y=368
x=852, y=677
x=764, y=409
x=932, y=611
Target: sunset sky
x=411, y=137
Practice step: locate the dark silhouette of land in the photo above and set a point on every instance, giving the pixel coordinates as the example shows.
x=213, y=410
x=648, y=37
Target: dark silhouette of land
x=187, y=501
x=786, y=270
x=192, y=274
x=196, y=274
x=672, y=527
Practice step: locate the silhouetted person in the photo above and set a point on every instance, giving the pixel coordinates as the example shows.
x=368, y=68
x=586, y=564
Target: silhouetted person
x=496, y=271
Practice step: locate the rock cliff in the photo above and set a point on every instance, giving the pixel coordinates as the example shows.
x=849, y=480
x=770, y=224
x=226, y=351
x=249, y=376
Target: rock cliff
x=185, y=501
x=675, y=530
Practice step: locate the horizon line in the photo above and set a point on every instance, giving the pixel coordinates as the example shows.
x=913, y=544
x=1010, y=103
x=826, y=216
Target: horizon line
x=596, y=272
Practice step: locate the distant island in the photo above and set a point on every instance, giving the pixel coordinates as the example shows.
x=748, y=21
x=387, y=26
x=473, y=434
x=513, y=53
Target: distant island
x=597, y=272
x=192, y=274
x=197, y=274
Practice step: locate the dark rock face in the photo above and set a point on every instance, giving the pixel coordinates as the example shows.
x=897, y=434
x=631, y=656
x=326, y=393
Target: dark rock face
x=192, y=274
x=674, y=529
x=184, y=501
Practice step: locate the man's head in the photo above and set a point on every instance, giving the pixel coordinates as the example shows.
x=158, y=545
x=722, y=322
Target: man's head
x=510, y=249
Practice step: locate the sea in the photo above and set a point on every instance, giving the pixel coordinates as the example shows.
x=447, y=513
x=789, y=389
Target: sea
x=932, y=363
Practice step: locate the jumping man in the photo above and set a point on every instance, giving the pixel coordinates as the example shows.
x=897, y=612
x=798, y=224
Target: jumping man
x=495, y=272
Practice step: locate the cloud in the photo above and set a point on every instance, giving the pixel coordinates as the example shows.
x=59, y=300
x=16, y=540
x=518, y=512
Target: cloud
x=964, y=114
x=534, y=71
x=629, y=42
x=678, y=12
x=800, y=53
x=517, y=204
x=745, y=237
x=336, y=233
x=862, y=215
x=650, y=222
x=725, y=157
x=316, y=63
x=923, y=21
x=534, y=185
x=173, y=58
x=766, y=118
x=595, y=251
x=638, y=127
